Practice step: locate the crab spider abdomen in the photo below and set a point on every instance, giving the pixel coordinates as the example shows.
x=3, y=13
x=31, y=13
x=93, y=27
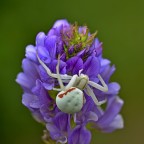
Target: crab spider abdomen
x=70, y=101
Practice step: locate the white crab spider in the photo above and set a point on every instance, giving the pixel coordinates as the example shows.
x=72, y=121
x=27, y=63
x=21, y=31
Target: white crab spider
x=70, y=99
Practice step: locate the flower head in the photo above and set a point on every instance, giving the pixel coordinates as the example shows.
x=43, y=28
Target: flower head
x=77, y=52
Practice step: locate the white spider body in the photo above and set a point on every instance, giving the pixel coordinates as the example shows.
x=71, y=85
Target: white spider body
x=81, y=81
x=70, y=99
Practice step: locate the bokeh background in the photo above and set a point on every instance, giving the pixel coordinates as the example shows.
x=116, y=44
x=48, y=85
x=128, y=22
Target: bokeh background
x=120, y=26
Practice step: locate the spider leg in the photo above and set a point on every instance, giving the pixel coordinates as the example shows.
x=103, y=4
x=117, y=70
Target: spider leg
x=58, y=75
x=90, y=92
x=46, y=68
x=65, y=80
x=57, y=89
x=103, y=88
x=72, y=82
x=103, y=83
x=65, y=76
x=80, y=71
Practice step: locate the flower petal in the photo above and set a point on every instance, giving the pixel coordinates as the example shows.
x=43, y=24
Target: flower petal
x=60, y=127
x=91, y=116
x=41, y=93
x=24, y=81
x=79, y=135
x=30, y=75
x=40, y=38
x=74, y=64
x=111, y=112
x=106, y=72
x=37, y=116
x=60, y=23
x=61, y=121
x=30, y=69
x=53, y=130
x=113, y=88
x=104, y=62
x=50, y=44
x=29, y=99
x=91, y=66
x=38, y=98
x=117, y=123
x=31, y=53
x=43, y=54
x=96, y=48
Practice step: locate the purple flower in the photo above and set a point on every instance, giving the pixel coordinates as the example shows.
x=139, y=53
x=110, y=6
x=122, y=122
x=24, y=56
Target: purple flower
x=80, y=53
x=59, y=127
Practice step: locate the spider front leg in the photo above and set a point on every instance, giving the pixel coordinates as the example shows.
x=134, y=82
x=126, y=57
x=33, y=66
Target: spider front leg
x=58, y=75
x=103, y=88
x=65, y=76
x=46, y=68
x=90, y=92
x=57, y=89
x=72, y=82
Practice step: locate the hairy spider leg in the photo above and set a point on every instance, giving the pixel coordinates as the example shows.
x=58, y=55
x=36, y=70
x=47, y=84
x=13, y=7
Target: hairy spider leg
x=103, y=88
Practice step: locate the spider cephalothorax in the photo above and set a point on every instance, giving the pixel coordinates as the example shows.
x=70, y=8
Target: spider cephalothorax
x=70, y=99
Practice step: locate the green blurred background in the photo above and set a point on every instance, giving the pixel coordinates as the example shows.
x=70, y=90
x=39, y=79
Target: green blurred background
x=121, y=29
